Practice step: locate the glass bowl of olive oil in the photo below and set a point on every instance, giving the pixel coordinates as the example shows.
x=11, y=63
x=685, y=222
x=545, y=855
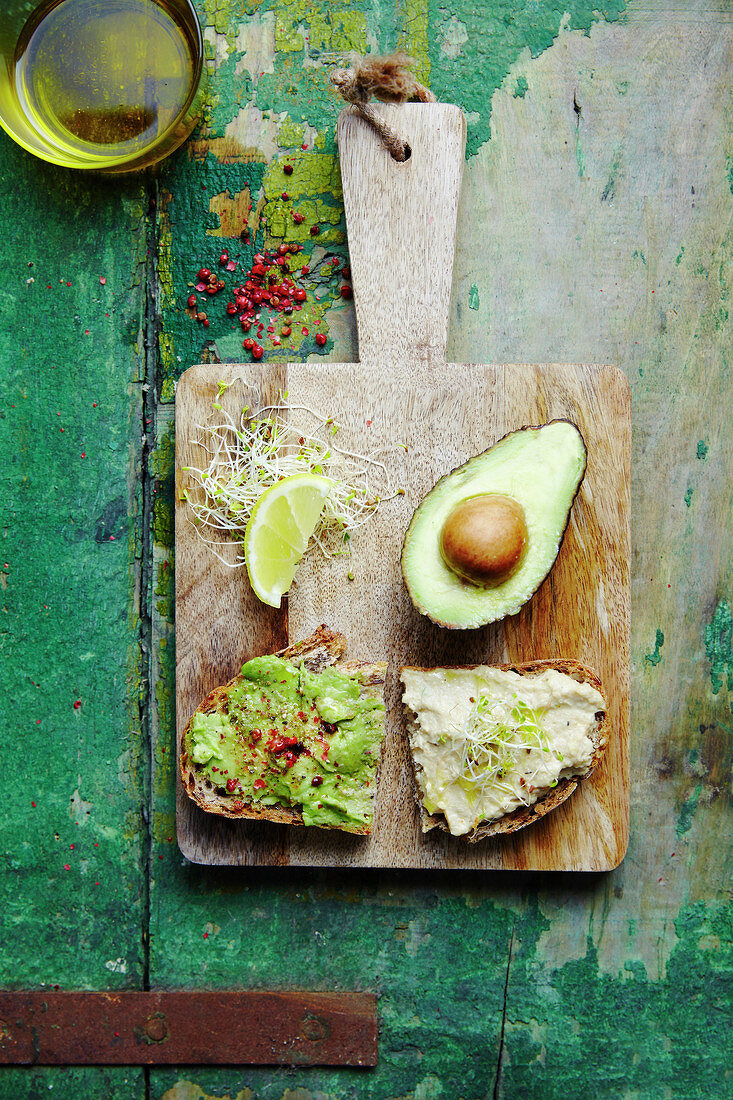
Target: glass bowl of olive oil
x=111, y=85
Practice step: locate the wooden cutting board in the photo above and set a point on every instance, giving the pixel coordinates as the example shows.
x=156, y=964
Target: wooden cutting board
x=401, y=220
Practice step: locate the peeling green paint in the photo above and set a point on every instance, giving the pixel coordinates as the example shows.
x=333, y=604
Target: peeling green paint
x=162, y=464
x=702, y=450
x=688, y=496
x=520, y=88
x=72, y=1082
x=557, y=1015
x=165, y=590
x=687, y=812
x=413, y=20
x=70, y=746
x=165, y=760
x=660, y=1028
x=719, y=647
x=473, y=298
x=655, y=657
x=314, y=190
x=497, y=35
x=325, y=27
x=290, y=135
x=439, y=950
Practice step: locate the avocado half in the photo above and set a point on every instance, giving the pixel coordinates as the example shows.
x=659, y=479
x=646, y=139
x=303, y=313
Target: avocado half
x=541, y=468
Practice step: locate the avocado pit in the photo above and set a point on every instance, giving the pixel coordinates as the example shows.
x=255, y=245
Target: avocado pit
x=483, y=538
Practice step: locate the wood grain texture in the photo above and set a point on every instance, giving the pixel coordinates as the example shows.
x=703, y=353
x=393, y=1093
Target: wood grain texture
x=444, y=413
x=402, y=227
x=401, y=219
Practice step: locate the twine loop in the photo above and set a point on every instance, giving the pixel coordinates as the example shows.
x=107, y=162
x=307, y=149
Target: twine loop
x=388, y=79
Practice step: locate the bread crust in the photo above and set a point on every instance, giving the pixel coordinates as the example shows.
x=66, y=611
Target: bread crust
x=524, y=815
x=324, y=648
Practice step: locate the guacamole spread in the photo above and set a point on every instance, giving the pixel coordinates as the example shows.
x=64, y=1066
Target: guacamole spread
x=289, y=737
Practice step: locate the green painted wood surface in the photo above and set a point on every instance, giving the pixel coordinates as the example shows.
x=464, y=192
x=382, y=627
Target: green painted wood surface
x=73, y=894
x=595, y=225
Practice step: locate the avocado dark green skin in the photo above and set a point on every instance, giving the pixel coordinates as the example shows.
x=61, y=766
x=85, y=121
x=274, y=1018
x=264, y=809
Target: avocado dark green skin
x=465, y=590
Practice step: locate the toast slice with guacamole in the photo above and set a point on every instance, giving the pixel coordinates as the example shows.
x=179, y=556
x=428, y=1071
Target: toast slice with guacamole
x=496, y=748
x=295, y=738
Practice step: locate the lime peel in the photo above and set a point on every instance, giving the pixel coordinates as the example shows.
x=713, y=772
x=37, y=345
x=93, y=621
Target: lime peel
x=279, y=530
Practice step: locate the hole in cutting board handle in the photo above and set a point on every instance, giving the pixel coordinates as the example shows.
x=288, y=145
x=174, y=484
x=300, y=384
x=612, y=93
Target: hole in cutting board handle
x=408, y=154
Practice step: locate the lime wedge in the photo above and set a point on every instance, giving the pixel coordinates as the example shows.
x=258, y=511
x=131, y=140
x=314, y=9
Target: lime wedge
x=277, y=534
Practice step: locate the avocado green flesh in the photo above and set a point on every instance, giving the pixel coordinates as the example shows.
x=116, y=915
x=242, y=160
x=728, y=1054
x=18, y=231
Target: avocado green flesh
x=272, y=742
x=541, y=468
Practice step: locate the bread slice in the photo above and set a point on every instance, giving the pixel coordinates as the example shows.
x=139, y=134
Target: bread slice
x=325, y=649
x=549, y=798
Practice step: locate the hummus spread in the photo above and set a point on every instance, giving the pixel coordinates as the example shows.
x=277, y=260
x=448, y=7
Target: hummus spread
x=487, y=742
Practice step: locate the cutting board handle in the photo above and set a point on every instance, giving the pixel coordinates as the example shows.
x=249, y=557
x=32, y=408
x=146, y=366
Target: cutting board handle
x=401, y=224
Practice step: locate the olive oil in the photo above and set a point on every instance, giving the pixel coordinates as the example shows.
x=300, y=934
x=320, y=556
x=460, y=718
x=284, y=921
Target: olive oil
x=100, y=82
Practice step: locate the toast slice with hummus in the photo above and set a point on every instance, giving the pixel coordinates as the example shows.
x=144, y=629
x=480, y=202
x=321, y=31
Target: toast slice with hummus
x=496, y=748
x=295, y=738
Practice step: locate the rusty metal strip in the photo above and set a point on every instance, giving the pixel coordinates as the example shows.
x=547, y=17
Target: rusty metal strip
x=188, y=1028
